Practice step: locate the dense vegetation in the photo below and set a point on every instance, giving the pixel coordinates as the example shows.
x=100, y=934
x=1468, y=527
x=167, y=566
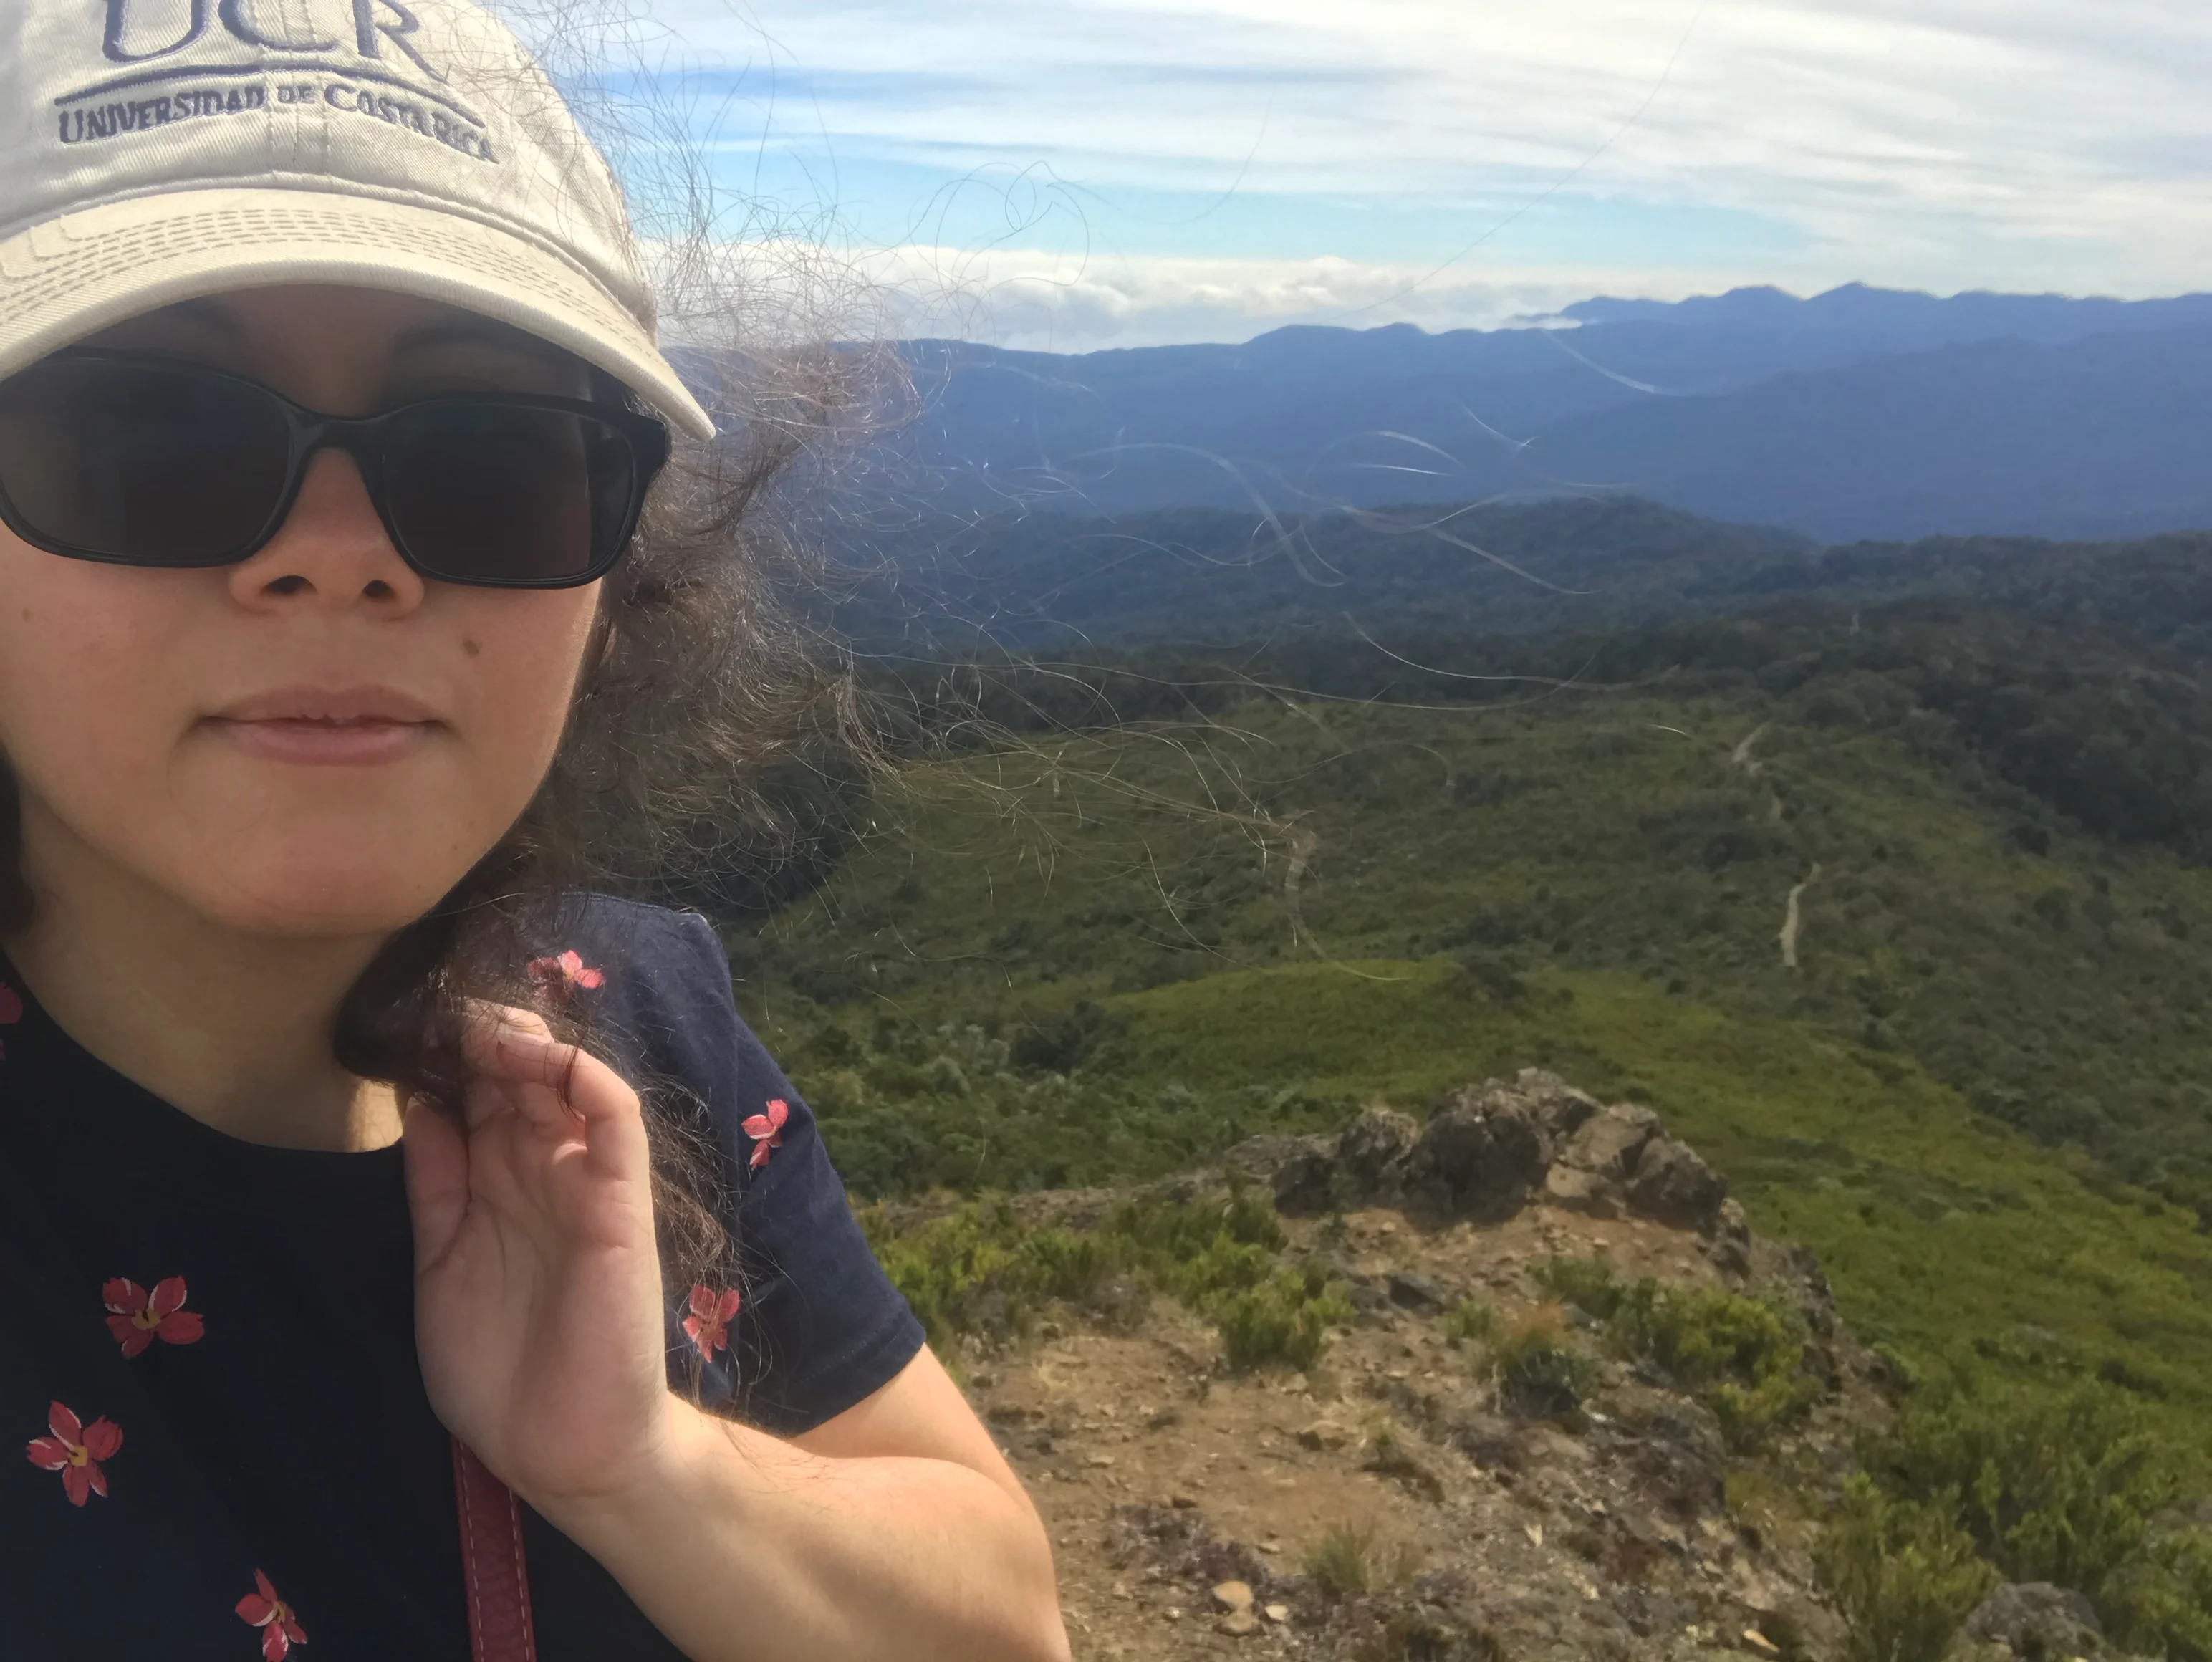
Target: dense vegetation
x=1894, y=896
x=1999, y=823
x=1611, y=562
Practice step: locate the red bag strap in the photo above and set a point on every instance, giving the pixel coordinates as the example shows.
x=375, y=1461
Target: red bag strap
x=492, y=1565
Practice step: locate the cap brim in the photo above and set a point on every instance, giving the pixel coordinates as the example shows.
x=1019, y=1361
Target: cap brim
x=72, y=276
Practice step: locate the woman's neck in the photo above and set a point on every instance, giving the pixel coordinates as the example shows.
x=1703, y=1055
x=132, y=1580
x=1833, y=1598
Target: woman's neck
x=234, y=1029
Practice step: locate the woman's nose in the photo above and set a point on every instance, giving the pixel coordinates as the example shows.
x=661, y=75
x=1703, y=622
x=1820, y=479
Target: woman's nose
x=332, y=549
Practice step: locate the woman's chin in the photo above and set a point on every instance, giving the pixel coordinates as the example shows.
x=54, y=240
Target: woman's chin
x=327, y=896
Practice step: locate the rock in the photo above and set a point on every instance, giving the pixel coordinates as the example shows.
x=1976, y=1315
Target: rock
x=1413, y=1291
x=1558, y=1107
x=1183, y=1502
x=1371, y=1155
x=1323, y=1435
x=2034, y=1619
x=1731, y=1250
x=1233, y=1595
x=1258, y=1158
x=1239, y=1623
x=1674, y=1186
x=1491, y=1443
x=1474, y=1163
x=1278, y=1613
x=1611, y=1140
x=1302, y=1182
x=1590, y=1193
x=1814, y=1297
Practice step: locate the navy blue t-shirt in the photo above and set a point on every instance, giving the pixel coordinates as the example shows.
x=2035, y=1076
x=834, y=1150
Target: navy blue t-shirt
x=209, y=1400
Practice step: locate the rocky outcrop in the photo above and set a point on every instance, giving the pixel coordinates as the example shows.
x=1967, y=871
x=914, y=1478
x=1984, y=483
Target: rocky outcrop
x=2033, y=1619
x=1488, y=1150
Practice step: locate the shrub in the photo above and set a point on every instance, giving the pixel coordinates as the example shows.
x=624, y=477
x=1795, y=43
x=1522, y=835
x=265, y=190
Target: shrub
x=1284, y=1319
x=1473, y=1322
x=1072, y=1266
x=1221, y=1267
x=1744, y=1357
x=2075, y=1489
x=958, y=1272
x=980, y=1269
x=2161, y=1602
x=1589, y=1284
x=1540, y=1375
x=1903, y=1574
x=1353, y=1559
x=1182, y=1230
x=1420, y=1636
x=2062, y=1489
x=1060, y=1044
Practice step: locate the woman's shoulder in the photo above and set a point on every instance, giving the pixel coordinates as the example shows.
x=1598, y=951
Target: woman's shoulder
x=651, y=986
x=820, y=1326
x=641, y=951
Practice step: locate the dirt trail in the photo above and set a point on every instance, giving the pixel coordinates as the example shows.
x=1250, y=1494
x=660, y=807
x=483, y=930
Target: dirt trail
x=1792, y=918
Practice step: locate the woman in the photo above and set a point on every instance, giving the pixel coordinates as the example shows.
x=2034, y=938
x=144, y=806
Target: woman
x=328, y=402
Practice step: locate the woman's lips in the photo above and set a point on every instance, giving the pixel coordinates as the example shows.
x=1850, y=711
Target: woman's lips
x=353, y=727
x=316, y=742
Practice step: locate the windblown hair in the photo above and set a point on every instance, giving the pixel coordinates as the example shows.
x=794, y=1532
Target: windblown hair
x=700, y=683
x=702, y=690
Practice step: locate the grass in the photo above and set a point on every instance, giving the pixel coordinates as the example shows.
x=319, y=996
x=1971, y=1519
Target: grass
x=1351, y=1560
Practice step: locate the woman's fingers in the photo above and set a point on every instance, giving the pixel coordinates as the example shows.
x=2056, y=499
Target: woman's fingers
x=502, y=1043
x=518, y=1063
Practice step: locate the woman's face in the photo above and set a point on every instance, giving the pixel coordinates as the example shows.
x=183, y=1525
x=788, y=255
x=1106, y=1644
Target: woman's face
x=315, y=741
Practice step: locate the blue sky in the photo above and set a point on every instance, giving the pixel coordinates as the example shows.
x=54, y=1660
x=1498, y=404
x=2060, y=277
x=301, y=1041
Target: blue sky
x=1077, y=173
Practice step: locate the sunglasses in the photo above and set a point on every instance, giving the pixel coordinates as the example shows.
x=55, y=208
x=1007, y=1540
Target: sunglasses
x=147, y=461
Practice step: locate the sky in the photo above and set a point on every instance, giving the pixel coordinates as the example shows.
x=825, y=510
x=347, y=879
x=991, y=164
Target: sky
x=1074, y=175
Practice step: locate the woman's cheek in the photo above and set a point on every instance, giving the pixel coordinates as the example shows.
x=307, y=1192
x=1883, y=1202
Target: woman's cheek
x=102, y=722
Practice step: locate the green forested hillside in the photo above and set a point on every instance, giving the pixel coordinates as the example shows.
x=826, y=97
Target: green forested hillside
x=1042, y=582
x=1102, y=947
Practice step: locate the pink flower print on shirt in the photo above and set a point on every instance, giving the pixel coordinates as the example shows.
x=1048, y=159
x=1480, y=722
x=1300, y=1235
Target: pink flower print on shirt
x=137, y=1317
x=766, y=1129
x=75, y=1450
x=708, y=1324
x=562, y=974
x=280, y=1629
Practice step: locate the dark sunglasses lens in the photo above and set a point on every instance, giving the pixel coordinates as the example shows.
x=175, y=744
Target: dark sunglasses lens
x=497, y=494
x=141, y=463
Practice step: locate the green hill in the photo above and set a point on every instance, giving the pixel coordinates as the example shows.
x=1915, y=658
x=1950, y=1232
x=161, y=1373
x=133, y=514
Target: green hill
x=1104, y=948
x=1040, y=582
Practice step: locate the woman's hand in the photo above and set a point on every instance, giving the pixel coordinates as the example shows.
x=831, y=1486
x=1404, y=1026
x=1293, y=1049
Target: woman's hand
x=901, y=1537
x=537, y=1298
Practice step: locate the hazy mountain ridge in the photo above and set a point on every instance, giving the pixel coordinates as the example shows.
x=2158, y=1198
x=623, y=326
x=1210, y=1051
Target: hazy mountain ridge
x=1859, y=412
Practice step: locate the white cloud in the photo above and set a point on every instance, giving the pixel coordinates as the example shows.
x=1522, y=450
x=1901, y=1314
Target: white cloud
x=1038, y=302
x=1938, y=144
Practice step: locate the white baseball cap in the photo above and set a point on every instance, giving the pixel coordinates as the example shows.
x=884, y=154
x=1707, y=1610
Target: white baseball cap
x=153, y=151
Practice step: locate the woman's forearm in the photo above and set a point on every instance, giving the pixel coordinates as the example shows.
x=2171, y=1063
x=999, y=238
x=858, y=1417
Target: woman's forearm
x=743, y=1547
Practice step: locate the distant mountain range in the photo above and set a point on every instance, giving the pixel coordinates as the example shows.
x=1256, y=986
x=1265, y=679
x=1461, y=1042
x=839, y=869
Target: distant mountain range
x=1859, y=413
